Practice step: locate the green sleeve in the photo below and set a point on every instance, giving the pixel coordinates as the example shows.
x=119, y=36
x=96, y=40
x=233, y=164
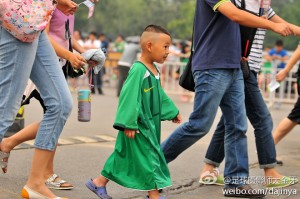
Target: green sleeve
x=168, y=109
x=130, y=100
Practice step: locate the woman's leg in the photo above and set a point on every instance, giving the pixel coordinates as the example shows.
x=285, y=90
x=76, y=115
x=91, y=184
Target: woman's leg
x=28, y=133
x=15, y=67
x=49, y=79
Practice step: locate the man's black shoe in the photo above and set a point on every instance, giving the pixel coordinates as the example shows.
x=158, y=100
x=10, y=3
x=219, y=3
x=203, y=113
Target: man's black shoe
x=245, y=191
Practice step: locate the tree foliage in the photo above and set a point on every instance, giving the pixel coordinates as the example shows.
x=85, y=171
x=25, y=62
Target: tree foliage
x=129, y=17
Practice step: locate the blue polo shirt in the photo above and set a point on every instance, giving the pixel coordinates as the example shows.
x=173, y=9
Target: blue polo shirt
x=217, y=40
x=281, y=53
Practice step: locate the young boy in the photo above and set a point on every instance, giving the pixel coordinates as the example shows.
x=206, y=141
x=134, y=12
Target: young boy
x=288, y=123
x=137, y=161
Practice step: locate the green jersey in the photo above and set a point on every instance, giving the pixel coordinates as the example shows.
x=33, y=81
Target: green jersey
x=139, y=163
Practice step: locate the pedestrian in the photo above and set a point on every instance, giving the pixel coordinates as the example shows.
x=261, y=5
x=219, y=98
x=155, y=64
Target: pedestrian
x=129, y=56
x=41, y=65
x=95, y=79
x=278, y=57
x=288, y=123
x=219, y=82
x=258, y=115
x=119, y=44
x=137, y=161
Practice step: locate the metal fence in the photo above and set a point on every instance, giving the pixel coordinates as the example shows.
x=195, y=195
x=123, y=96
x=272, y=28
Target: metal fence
x=171, y=71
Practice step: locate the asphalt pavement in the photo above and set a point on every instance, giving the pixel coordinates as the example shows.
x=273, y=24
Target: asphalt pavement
x=84, y=147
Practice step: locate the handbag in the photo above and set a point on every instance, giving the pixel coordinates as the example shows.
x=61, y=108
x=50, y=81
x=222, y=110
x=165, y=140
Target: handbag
x=247, y=37
x=68, y=69
x=25, y=19
x=186, y=79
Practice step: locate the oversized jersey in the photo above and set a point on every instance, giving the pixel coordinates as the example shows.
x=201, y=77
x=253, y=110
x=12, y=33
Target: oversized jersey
x=139, y=163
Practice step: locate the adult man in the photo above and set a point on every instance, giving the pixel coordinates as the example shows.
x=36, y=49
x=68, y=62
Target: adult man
x=257, y=113
x=219, y=82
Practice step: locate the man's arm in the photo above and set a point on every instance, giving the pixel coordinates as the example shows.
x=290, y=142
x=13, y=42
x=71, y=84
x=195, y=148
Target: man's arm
x=244, y=18
x=294, y=28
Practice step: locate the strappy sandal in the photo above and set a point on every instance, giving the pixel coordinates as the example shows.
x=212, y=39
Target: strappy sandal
x=3, y=161
x=54, y=183
x=99, y=191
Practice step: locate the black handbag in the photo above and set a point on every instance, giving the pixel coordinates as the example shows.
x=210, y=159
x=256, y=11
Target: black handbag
x=68, y=69
x=247, y=37
x=186, y=79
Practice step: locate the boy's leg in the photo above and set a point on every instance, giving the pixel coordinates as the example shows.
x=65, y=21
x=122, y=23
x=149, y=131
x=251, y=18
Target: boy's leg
x=208, y=95
x=100, y=181
x=284, y=127
x=154, y=194
x=287, y=124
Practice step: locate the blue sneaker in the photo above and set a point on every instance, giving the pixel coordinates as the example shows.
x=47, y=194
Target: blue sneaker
x=99, y=191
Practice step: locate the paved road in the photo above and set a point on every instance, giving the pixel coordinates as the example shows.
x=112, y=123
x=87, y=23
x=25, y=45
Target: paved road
x=85, y=147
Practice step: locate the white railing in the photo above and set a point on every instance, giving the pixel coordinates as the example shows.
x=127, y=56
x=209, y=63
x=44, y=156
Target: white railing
x=170, y=72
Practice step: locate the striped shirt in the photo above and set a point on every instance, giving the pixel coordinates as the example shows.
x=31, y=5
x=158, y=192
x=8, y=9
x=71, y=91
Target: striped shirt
x=256, y=52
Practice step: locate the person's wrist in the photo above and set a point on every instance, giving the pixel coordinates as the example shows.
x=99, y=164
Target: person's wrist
x=68, y=55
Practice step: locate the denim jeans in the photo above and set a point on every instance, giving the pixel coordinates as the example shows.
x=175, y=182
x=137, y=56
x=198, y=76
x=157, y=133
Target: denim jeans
x=20, y=61
x=214, y=88
x=261, y=120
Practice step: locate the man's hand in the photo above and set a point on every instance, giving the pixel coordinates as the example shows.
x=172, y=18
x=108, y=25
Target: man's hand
x=130, y=133
x=282, y=28
x=281, y=75
x=76, y=60
x=67, y=7
x=177, y=119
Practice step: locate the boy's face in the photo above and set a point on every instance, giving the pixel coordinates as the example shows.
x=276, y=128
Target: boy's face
x=160, y=48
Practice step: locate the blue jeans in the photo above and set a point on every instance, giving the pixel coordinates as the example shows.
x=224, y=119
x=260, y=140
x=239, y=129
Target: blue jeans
x=20, y=61
x=214, y=88
x=260, y=118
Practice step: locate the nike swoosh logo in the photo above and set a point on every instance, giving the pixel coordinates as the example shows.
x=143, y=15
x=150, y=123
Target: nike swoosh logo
x=147, y=90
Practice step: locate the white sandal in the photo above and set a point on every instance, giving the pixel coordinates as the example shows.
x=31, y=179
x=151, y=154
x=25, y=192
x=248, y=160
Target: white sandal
x=3, y=161
x=52, y=184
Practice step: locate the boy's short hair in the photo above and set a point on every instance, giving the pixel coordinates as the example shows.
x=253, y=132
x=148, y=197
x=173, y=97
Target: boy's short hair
x=156, y=29
x=279, y=43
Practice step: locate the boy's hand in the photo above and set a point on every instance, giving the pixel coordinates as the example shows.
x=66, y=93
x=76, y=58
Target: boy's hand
x=177, y=119
x=281, y=75
x=130, y=133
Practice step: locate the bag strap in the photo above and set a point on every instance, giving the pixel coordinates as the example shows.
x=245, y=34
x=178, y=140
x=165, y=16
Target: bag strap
x=68, y=35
